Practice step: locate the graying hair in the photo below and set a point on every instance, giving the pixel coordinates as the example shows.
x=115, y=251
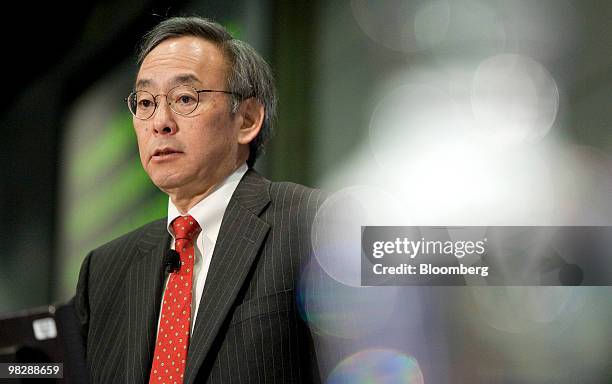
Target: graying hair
x=248, y=76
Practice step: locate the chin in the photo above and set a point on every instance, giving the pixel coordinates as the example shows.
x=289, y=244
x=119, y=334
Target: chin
x=167, y=182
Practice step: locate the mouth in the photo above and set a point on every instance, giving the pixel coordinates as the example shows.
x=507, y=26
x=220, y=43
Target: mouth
x=163, y=154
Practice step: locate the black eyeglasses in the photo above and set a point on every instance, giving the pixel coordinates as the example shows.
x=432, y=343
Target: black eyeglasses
x=182, y=100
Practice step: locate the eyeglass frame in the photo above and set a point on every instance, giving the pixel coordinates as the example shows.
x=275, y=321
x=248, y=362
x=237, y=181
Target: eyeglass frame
x=169, y=105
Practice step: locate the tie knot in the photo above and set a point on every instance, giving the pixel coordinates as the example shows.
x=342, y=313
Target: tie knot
x=185, y=227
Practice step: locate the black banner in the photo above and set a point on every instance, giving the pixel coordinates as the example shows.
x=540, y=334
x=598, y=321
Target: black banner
x=513, y=256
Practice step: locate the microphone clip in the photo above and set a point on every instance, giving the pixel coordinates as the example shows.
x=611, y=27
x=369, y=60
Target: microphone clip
x=172, y=261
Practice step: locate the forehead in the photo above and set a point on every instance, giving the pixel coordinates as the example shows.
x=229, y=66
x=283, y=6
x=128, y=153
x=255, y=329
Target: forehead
x=181, y=60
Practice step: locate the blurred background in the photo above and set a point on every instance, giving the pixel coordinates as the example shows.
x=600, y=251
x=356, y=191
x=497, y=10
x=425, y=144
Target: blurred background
x=461, y=112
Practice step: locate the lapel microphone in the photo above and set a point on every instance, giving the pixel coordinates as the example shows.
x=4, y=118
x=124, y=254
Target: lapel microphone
x=172, y=261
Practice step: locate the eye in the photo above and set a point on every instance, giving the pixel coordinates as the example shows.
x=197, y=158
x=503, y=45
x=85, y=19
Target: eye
x=145, y=103
x=185, y=99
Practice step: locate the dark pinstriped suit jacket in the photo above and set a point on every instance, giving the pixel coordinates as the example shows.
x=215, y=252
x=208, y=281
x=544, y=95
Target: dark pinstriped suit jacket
x=248, y=329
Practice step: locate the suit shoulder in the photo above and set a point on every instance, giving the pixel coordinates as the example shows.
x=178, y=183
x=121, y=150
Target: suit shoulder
x=106, y=265
x=292, y=194
x=153, y=229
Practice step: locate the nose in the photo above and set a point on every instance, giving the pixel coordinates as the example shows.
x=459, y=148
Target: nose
x=163, y=119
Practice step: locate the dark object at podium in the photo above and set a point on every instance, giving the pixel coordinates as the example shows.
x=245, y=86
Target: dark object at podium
x=44, y=335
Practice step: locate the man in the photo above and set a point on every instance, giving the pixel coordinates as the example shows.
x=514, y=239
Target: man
x=225, y=310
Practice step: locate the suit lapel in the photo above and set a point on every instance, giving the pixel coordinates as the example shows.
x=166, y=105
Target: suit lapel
x=144, y=290
x=241, y=235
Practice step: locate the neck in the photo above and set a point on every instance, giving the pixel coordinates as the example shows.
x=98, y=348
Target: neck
x=185, y=203
x=184, y=199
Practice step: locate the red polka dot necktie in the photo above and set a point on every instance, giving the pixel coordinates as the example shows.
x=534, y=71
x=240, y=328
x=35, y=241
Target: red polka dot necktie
x=174, y=326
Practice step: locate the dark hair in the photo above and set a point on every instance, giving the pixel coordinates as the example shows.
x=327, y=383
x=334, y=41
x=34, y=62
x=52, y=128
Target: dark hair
x=248, y=76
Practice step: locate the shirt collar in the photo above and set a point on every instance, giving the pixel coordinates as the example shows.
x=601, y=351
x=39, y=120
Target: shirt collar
x=209, y=211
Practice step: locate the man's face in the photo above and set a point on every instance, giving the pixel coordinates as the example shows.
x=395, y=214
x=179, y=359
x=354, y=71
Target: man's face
x=187, y=155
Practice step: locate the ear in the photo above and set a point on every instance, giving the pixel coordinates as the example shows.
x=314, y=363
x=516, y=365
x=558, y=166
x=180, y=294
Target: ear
x=252, y=113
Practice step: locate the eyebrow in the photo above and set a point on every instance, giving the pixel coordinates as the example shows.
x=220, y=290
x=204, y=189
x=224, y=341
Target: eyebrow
x=177, y=80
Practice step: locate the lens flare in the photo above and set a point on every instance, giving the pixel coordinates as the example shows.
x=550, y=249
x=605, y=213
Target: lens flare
x=334, y=309
x=392, y=23
x=380, y=366
x=336, y=231
x=514, y=99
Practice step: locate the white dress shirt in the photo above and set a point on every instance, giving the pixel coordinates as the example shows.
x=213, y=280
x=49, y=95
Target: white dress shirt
x=208, y=213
